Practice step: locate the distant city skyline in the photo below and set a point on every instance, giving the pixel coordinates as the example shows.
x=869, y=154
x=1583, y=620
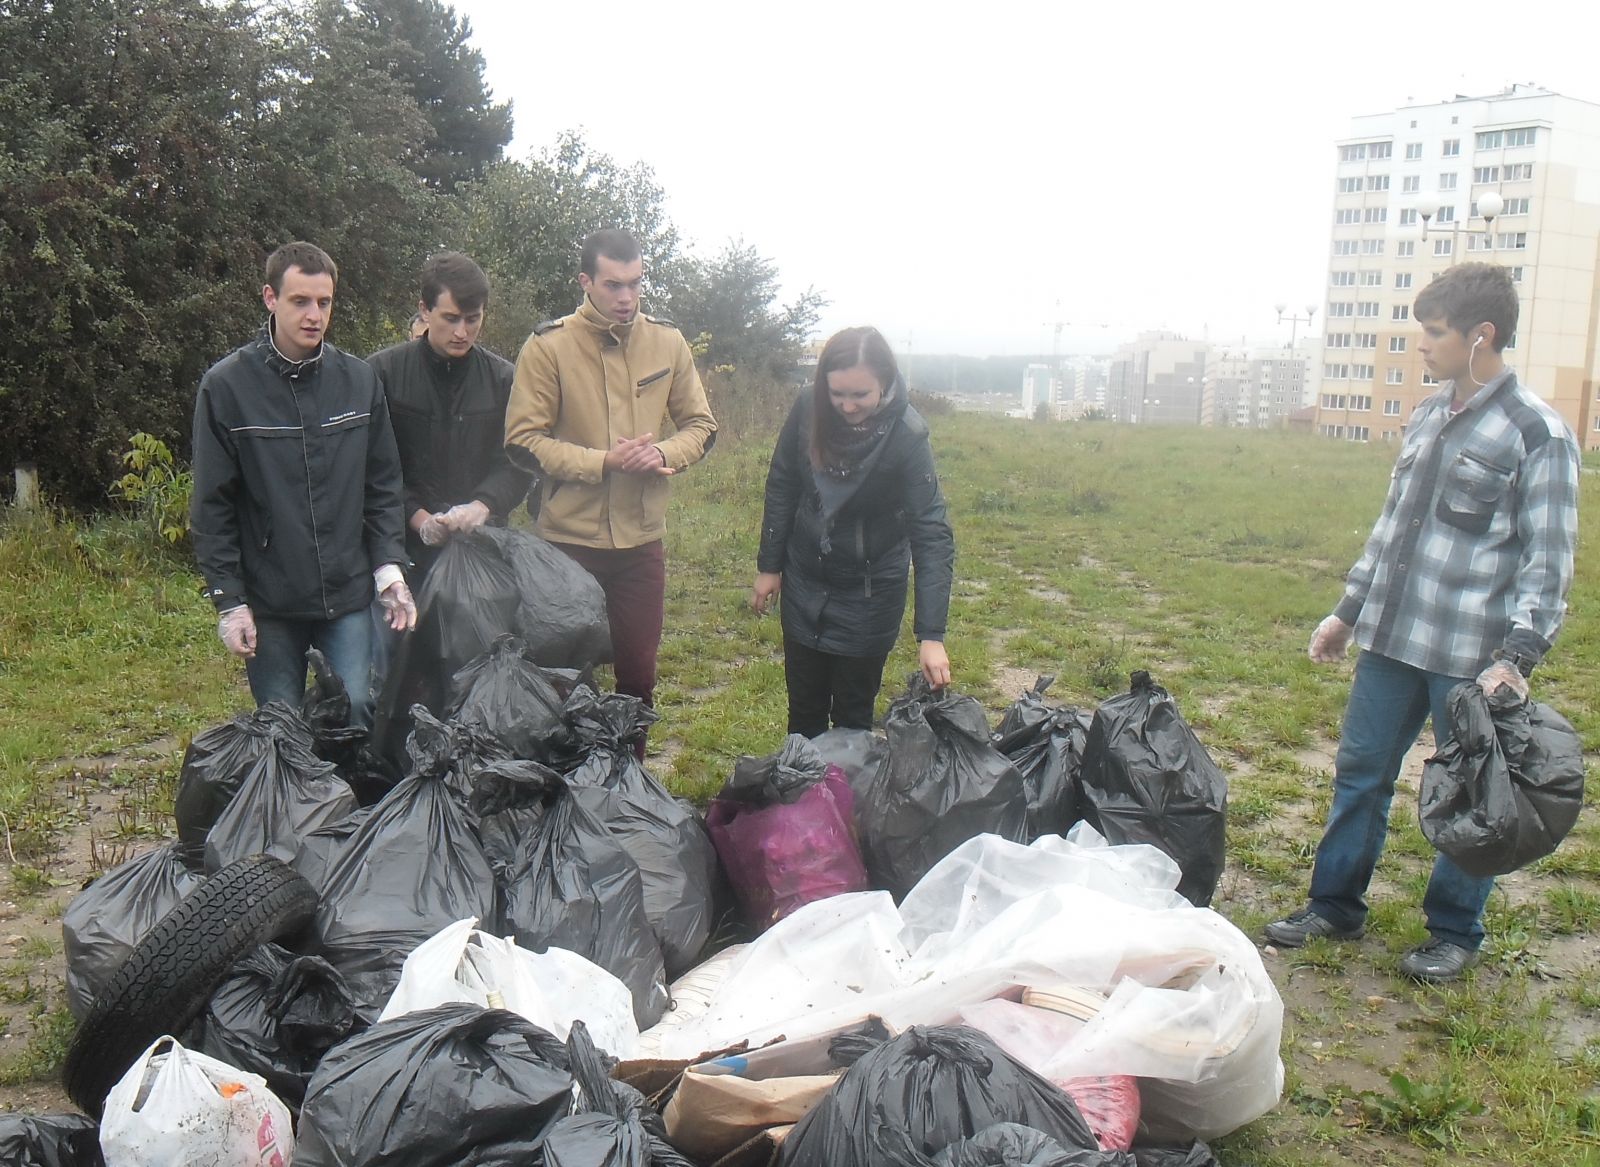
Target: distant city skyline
x=953, y=176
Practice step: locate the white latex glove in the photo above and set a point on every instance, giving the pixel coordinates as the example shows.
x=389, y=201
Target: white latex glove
x=466, y=517
x=237, y=628
x=398, y=606
x=1503, y=673
x=1330, y=642
x=434, y=530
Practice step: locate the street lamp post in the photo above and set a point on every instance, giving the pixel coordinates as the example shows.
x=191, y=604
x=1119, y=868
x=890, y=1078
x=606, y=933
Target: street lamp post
x=1311, y=310
x=1489, y=205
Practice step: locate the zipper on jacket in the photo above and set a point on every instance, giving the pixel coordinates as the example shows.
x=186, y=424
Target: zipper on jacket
x=311, y=504
x=861, y=554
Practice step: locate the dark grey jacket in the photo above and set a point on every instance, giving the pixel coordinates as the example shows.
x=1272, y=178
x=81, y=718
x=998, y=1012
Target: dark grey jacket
x=849, y=599
x=296, y=483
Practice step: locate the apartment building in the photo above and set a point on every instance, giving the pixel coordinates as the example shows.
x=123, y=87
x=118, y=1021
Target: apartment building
x=1409, y=199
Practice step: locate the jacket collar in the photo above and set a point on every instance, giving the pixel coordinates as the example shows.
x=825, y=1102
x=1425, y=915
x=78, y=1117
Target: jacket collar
x=282, y=365
x=442, y=366
x=597, y=321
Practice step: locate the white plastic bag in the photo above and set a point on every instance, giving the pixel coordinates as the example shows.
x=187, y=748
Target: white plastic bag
x=552, y=989
x=180, y=1107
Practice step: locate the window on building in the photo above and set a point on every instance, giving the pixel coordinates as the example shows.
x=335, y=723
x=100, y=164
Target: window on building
x=1401, y=312
x=1523, y=137
x=1366, y=340
x=1360, y=402
x=1350, y=185
x=1413, y=149
x=1489, y=139
x=1344, y=308
x=1397, y=344
x=1447, y=214
x=1512, y=343
x=1485, y=174
x=1391, y=406
x=1512, y=241
x=1372, y=247
x=1361, y=373
x=1519, y=172
x=1344, y=246
x=1334, y=372
x=1377, y=182
x=1353, y=153
x=1402, y=280
x=1516, y=274
x=1367, y=308
x=1411, y=183
x=1476, y=242
x=1342, y=279
x=1452, y=147
x=1336, y=340
x=1378, y=214
x=1597, y=424
x=1408, y=216
x=1406, y=248
x=1443, y=246
x=1518, y=206
x=1380, y=150
x=1372, y=279
x=1447, y=181
x=1395, y=376
x=1344, y=216
x=1427, y=380
x=1359, y=433
x=1333, y=431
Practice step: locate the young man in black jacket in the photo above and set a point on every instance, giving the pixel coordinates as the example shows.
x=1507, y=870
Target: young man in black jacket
x=296, y=507
x=447, y=398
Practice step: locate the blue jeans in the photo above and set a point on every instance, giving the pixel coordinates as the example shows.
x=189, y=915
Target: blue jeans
x=278, y=670
x=1389, y=703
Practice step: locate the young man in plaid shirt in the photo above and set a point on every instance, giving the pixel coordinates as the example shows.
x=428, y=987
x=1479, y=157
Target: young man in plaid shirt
x=1464, y=577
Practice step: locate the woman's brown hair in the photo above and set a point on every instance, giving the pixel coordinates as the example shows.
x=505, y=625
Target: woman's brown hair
x=846, y=349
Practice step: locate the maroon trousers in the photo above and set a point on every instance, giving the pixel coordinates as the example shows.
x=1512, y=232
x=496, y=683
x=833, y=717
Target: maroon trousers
x=634, y=580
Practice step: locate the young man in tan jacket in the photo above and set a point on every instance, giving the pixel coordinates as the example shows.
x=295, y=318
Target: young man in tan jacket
x=591, y=395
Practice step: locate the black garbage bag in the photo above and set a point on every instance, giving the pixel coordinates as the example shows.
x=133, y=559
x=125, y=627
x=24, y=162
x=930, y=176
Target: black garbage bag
x=318, y=849
x=217, y=760
x=514, y=700
x=918, y=1093
x=562, y=614
x=939, y=784
x=1007, y=1144
x=411, y=867
x=857, y=752
x=107, y=919
x=1046, y=745
x=49, y=1140
x=276, y=1014
x=1506, y=787
x=1197, y=1154
x=666, y=836
x=325, y=709
x=611, y=1124
x=453, y=1086
x=1147, y=779
x=286, y=793
x=565, y=880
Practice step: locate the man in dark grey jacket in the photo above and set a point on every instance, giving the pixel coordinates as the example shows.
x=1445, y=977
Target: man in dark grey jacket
x=296, y=508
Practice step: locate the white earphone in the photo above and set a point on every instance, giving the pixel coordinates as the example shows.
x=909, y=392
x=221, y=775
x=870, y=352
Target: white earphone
x=1479, y=341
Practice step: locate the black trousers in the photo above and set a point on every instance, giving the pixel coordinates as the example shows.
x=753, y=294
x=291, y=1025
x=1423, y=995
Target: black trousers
x=824, y=686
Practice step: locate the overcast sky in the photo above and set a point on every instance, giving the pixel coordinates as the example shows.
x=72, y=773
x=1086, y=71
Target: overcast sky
x=949, y=172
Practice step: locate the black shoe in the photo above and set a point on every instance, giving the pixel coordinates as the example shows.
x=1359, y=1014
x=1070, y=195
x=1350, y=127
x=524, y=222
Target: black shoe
x=1307, y=925
x=1438, y=960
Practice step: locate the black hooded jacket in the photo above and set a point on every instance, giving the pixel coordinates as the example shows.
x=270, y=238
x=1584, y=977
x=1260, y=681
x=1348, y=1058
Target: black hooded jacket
x=844, y=582
x=296, y=483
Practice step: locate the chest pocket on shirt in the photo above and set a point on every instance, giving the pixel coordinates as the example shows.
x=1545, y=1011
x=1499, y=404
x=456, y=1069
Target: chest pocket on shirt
x=1474, y=488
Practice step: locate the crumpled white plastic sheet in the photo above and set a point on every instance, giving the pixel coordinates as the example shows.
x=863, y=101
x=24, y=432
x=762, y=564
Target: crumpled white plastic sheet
x=1190, y=1006
x=550, y=988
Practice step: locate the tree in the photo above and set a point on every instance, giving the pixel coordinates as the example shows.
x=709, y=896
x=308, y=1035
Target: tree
x=526, y=221
x=730, y=303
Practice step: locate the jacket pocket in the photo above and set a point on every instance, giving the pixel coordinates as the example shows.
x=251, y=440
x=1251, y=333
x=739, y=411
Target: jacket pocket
x=1473, y=489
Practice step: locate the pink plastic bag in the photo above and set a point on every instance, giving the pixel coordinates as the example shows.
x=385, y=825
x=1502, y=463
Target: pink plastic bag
x=1110, y=1105
x=782, y=855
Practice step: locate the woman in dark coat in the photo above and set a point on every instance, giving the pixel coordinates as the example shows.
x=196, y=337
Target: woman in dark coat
x=853, y=502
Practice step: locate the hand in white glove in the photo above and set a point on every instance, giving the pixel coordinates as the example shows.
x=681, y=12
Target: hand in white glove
x=398, y=606
x=466, y=517
x=237, y=628
x=1330, y=642
x=434, y=531
x=1503, y=673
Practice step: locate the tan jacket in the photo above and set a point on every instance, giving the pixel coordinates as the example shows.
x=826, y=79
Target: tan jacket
x=582, y=382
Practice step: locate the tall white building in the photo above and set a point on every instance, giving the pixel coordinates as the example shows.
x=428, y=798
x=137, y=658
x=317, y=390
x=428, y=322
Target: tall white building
x=1539, y=152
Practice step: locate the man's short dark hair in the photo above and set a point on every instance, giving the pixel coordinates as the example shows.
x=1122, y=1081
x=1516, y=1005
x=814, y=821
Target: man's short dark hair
x=611, y=242
x=1470, y=294
x=308, y=257
x=460, y=276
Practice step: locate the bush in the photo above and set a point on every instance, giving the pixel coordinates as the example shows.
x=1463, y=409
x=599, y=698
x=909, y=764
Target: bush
x=158, y=490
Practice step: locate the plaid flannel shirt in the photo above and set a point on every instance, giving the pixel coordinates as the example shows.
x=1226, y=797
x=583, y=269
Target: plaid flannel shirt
x=1473, y=551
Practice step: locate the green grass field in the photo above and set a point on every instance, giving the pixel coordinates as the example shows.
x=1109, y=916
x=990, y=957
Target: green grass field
x=1084, y=550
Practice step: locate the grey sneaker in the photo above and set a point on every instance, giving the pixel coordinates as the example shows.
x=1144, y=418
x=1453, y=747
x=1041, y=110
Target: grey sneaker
x=1438, y=960
x=1307, y=925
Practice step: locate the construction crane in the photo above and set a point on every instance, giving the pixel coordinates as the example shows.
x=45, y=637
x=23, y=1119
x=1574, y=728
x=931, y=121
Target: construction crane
x=1056, y=326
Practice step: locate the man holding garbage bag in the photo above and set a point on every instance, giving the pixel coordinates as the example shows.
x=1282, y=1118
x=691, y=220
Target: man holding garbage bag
x=1464, y=576
x=296, y=506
